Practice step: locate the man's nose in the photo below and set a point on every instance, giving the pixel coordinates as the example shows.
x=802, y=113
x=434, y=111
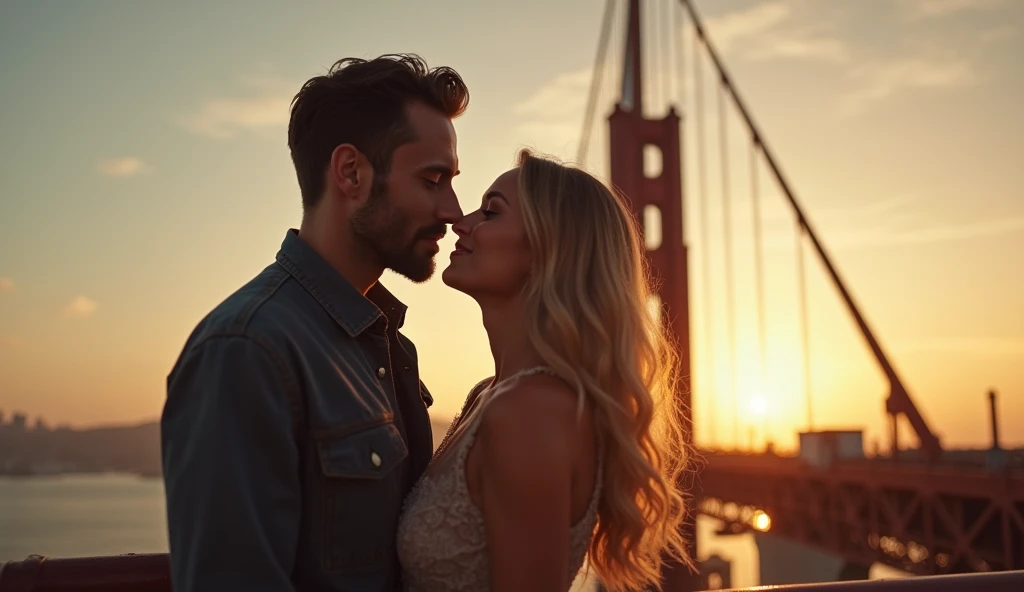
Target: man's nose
x=462, y=227
x=448, y=210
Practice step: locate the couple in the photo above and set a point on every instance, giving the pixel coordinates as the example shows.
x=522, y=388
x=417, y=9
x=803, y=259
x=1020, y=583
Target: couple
x=296, y=442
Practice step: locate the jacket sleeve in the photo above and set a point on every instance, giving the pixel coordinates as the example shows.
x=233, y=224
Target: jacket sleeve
x=231, y=469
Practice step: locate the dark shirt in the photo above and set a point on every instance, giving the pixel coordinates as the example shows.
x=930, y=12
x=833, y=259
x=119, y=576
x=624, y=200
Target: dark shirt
x=295, y=424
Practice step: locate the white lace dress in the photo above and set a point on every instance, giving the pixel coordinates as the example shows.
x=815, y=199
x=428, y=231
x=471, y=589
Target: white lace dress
x=442, y=542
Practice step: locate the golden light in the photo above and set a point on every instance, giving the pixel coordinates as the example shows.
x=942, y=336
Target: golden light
x=758, y=404
x=762, y=521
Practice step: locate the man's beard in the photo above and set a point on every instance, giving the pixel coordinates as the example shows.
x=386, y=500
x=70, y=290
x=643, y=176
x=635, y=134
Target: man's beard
x=386, y=233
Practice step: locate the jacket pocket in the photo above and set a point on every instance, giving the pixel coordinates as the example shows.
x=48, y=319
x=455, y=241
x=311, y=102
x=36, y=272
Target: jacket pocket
x=371, y=453
x=362, y=488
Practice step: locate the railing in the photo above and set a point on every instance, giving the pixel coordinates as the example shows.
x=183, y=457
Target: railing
x=121, y=573
x=1003, y=581
x=151, y=573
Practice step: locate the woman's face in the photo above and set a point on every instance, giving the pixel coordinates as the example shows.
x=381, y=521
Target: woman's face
x=492, y=256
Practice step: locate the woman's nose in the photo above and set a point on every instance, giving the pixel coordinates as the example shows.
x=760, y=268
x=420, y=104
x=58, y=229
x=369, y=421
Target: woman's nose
x=464, y=226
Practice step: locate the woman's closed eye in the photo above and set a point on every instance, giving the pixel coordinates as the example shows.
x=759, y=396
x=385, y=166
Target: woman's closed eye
x=489, y=213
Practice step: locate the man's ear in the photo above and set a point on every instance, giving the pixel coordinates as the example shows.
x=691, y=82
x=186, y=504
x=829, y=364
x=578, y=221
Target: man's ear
x=350, y=171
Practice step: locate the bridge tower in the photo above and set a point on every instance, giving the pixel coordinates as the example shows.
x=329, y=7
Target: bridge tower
x=657, y=200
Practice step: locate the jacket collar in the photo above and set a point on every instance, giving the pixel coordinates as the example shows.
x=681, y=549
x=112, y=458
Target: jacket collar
x=346, y=305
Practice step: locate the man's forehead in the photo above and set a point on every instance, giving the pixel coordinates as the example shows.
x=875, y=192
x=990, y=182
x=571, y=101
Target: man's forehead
x=434, y=143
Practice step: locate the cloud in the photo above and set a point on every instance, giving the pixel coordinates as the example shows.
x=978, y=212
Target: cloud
x=825, y=49
x=123, y=167
x=897, y=221
x=80, y=308
x=881, y=235
x=925, y=9
x=961, y=231
x=222, y=118
x=986, y=346
x=563, y=96
x=997, y=34
x=550, y=118
x=11, y=341
x=885, y=223
x=729, y=28
x=762, y=30
x=6, y=285
x=881, y=80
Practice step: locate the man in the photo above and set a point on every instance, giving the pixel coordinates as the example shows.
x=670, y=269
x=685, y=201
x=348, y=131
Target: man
x=295, y=421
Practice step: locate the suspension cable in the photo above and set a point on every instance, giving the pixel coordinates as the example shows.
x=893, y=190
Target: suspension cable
x=755, y=199
x=595, y=82
x=668, y=41
x=657, y=57
x=801, y=279
x=730, y=298
x=705, y=250
x=680, y=52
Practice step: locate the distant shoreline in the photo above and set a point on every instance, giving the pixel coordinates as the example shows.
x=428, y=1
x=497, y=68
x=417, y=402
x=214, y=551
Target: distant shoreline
x=29, y=475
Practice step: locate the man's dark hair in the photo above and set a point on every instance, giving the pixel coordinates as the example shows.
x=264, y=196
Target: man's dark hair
x=362, y=102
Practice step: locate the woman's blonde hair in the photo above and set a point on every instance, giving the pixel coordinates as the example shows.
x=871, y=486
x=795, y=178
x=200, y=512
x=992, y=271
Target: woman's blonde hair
x=587, y=305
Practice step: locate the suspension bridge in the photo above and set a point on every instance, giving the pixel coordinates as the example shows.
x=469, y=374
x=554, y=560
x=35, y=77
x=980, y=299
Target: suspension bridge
x=924, y=509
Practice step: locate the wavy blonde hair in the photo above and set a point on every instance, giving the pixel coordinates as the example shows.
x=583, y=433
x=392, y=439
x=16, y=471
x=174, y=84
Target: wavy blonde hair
x=587, y=305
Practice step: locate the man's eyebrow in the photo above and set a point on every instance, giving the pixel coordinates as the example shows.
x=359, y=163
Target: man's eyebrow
x=497, y=194
x=440, y=169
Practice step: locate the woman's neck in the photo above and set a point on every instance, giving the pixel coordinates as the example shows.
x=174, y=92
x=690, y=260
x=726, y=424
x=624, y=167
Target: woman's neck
x=506, y=326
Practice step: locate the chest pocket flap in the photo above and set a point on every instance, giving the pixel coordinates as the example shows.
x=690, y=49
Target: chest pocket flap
x=367, y=454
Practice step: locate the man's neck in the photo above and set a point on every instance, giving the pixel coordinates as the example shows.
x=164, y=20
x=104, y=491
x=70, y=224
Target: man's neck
x=339, y=249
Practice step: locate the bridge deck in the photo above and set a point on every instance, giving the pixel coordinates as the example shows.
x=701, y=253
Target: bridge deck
x=923, y=518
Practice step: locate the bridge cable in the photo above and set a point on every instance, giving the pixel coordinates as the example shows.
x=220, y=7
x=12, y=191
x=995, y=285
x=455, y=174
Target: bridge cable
x=730, y=297
x=674, y=56
x=705, y=249
x=595, y=82
x=657, y=80
x=668, y=40
x=679, y=28
x=803, y=321
x=758, y=266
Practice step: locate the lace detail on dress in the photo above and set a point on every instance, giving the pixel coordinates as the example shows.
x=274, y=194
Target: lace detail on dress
x=442, y=542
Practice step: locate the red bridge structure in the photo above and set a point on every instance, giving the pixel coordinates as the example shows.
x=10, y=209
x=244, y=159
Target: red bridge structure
x=956, y=518
x=927, y=511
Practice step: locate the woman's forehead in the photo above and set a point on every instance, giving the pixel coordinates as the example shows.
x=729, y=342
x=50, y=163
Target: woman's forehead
x=507, y=183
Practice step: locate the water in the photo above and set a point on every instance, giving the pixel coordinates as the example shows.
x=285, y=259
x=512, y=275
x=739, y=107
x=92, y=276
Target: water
x=112, y=514
x=81, y=515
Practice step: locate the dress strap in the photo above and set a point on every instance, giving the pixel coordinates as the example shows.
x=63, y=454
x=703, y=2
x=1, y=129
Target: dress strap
x=464, y=427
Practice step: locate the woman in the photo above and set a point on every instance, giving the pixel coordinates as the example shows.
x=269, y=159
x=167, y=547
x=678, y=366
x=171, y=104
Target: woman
x=572, y=451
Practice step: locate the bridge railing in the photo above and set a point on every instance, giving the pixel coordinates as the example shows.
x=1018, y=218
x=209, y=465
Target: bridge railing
x=151, y=573
x=1004, y=581
x=119, y=573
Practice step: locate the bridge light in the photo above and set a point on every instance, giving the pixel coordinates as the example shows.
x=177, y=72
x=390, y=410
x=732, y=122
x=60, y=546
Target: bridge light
x=762, y=521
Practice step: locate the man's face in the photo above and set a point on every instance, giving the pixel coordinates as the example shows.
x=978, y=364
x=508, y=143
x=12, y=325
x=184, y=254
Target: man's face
x=405, y=217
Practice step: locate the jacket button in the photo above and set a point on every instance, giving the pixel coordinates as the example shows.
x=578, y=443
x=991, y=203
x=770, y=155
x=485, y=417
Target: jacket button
x=381, y=372
x=375, y=459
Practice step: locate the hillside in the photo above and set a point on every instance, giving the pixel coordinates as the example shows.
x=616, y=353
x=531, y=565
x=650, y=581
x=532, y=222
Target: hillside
x=129, y=448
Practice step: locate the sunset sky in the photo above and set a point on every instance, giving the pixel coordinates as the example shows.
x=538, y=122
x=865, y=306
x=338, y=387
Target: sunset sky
x=144, y=175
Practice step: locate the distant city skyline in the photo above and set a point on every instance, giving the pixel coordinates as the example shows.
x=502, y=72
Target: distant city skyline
x=145, y=175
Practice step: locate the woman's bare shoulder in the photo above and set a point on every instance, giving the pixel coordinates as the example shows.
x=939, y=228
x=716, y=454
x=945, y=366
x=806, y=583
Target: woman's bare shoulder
x=532, y=424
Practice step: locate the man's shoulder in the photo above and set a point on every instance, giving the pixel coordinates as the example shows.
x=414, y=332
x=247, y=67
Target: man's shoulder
x=261, y=310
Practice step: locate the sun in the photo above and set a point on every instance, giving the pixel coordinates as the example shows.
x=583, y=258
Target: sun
x=758, y=404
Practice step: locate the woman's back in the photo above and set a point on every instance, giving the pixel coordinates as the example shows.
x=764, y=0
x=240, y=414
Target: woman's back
x=442, y=539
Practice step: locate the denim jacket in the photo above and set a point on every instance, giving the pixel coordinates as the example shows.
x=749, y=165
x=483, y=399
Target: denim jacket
x=294, y=426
